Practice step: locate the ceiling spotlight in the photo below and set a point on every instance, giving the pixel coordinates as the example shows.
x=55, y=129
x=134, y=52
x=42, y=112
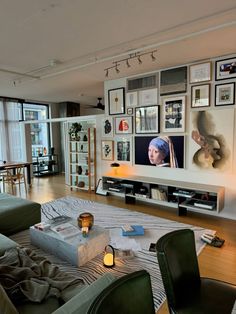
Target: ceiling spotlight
x=107, y=73
x=152, y=56
x=128, y=64
x=139, y=60
x=117, y=70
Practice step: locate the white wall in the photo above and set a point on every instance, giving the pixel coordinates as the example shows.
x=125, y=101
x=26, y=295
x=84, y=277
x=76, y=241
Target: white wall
x=226, y=179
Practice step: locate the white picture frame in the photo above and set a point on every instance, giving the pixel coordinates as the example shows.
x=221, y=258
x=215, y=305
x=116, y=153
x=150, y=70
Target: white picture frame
x=107, y=127
x=200, y=72
x=174, y=114
x=148, y=97
x=131, y=99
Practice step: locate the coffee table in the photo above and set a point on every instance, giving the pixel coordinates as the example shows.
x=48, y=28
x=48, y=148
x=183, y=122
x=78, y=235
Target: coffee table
x=76, y=250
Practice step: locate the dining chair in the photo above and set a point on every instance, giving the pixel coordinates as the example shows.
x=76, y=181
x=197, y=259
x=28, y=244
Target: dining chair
x=186, y=291
x=14, y=177
x=129, y=294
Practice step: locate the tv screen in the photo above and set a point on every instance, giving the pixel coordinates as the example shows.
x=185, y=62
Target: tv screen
x=144, y=146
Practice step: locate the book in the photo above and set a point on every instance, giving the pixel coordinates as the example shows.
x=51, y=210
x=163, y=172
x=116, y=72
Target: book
x=65, y=230
x=137, y=230
x=43, y=226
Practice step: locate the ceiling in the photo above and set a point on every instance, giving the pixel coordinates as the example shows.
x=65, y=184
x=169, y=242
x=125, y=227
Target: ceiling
x=59, y=48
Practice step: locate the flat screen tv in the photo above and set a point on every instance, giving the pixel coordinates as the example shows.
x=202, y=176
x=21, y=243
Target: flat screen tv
x=141, y=145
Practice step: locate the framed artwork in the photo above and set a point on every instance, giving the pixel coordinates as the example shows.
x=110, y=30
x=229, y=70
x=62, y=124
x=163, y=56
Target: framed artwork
x=174, y=114
x=107, y=127
x=107, y=150
x=200, y=96
x=225, y=69
x=132, y=99
x=173, y=157
x=123, y=149
x=200, y=72
x=211, y=139
x=130, y=111
x=124, y=125
x=147, y=119
x=225, y=94
x=173, y=81
x=116, y=101
x=148, y=97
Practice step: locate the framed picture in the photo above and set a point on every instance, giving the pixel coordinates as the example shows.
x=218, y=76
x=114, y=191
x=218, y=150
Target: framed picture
x=147, y=119
x=200, y=96
x=173, y=81
x=172, y=157
x=123, y=149
x=107, y=127
x=124, y=125
x=200, y=72
x=130, y=111
x=174, y=114
x=107, y=150
x=148, y=97
x=132, y=99
x=225, y=69
x=225, y=94
x=116, y=100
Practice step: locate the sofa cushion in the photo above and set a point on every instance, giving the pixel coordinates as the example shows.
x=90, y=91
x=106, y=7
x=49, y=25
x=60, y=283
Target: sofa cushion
x=81, y=302
x=17, y=214
x=45, y=307
x=6, y=244
x=6, y=306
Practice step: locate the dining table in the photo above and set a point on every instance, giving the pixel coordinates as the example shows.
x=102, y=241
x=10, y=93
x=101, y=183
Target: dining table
x=15, y=164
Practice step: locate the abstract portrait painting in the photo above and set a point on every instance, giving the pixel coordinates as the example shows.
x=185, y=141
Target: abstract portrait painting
x=211, y=140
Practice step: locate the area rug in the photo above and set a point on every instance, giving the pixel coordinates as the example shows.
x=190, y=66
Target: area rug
x=113, y=218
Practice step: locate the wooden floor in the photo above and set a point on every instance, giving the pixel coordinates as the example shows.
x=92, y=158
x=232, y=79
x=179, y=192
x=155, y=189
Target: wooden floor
x=219, y=263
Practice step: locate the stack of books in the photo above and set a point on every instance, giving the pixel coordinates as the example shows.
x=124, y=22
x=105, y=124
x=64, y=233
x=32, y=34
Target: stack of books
x=158, y=194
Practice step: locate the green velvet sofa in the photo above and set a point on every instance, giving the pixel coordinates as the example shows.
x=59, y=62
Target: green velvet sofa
x=18, y=214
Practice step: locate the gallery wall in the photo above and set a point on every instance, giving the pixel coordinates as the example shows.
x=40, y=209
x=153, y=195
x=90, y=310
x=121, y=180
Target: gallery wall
x=206, y=101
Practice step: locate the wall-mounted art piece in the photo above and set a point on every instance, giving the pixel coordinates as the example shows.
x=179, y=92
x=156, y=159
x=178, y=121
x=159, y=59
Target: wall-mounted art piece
x=211, y=140
x=107, y=127
x=132, y=99
x=147, y=119
x=200, y=96
x=225, y=69
x=124, y=125
x=107, y=150
x=225, y=94
x=174, y=114
x=148, y=97
x=116, y=100
x=200, y=72
x=173, y=81
x=123, y=149
x=159, y=151
x=130, y=111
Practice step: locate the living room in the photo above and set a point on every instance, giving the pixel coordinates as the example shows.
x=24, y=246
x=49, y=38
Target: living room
x=184, y=62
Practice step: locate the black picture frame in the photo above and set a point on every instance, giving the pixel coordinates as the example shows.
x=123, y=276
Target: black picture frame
x=225, y=69
x=173, y=81
x=116, y=101
x=225, y=94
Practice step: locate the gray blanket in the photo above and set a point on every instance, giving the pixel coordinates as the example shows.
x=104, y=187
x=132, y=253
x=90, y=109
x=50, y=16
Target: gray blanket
x=26, y=276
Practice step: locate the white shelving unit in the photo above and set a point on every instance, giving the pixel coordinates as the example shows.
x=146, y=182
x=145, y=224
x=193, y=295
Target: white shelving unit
x=82, y=160
x=184, y=196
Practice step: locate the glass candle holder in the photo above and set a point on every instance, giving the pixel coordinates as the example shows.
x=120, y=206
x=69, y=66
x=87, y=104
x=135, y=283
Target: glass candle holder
x=85, y=220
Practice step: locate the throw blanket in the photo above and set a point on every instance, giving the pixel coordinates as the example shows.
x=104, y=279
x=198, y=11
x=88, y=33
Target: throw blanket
x=26, y=276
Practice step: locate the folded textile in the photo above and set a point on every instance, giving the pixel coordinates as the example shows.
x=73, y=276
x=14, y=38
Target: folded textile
x=26, y=276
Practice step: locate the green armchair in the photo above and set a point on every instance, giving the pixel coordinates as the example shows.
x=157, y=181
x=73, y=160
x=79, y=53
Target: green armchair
x=186, y=291
x=129, y=294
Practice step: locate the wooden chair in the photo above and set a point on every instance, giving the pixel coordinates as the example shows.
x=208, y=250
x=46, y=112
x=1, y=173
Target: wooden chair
x=14, y=177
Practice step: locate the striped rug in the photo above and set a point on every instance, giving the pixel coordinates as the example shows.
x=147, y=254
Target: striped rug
x=113, y=218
